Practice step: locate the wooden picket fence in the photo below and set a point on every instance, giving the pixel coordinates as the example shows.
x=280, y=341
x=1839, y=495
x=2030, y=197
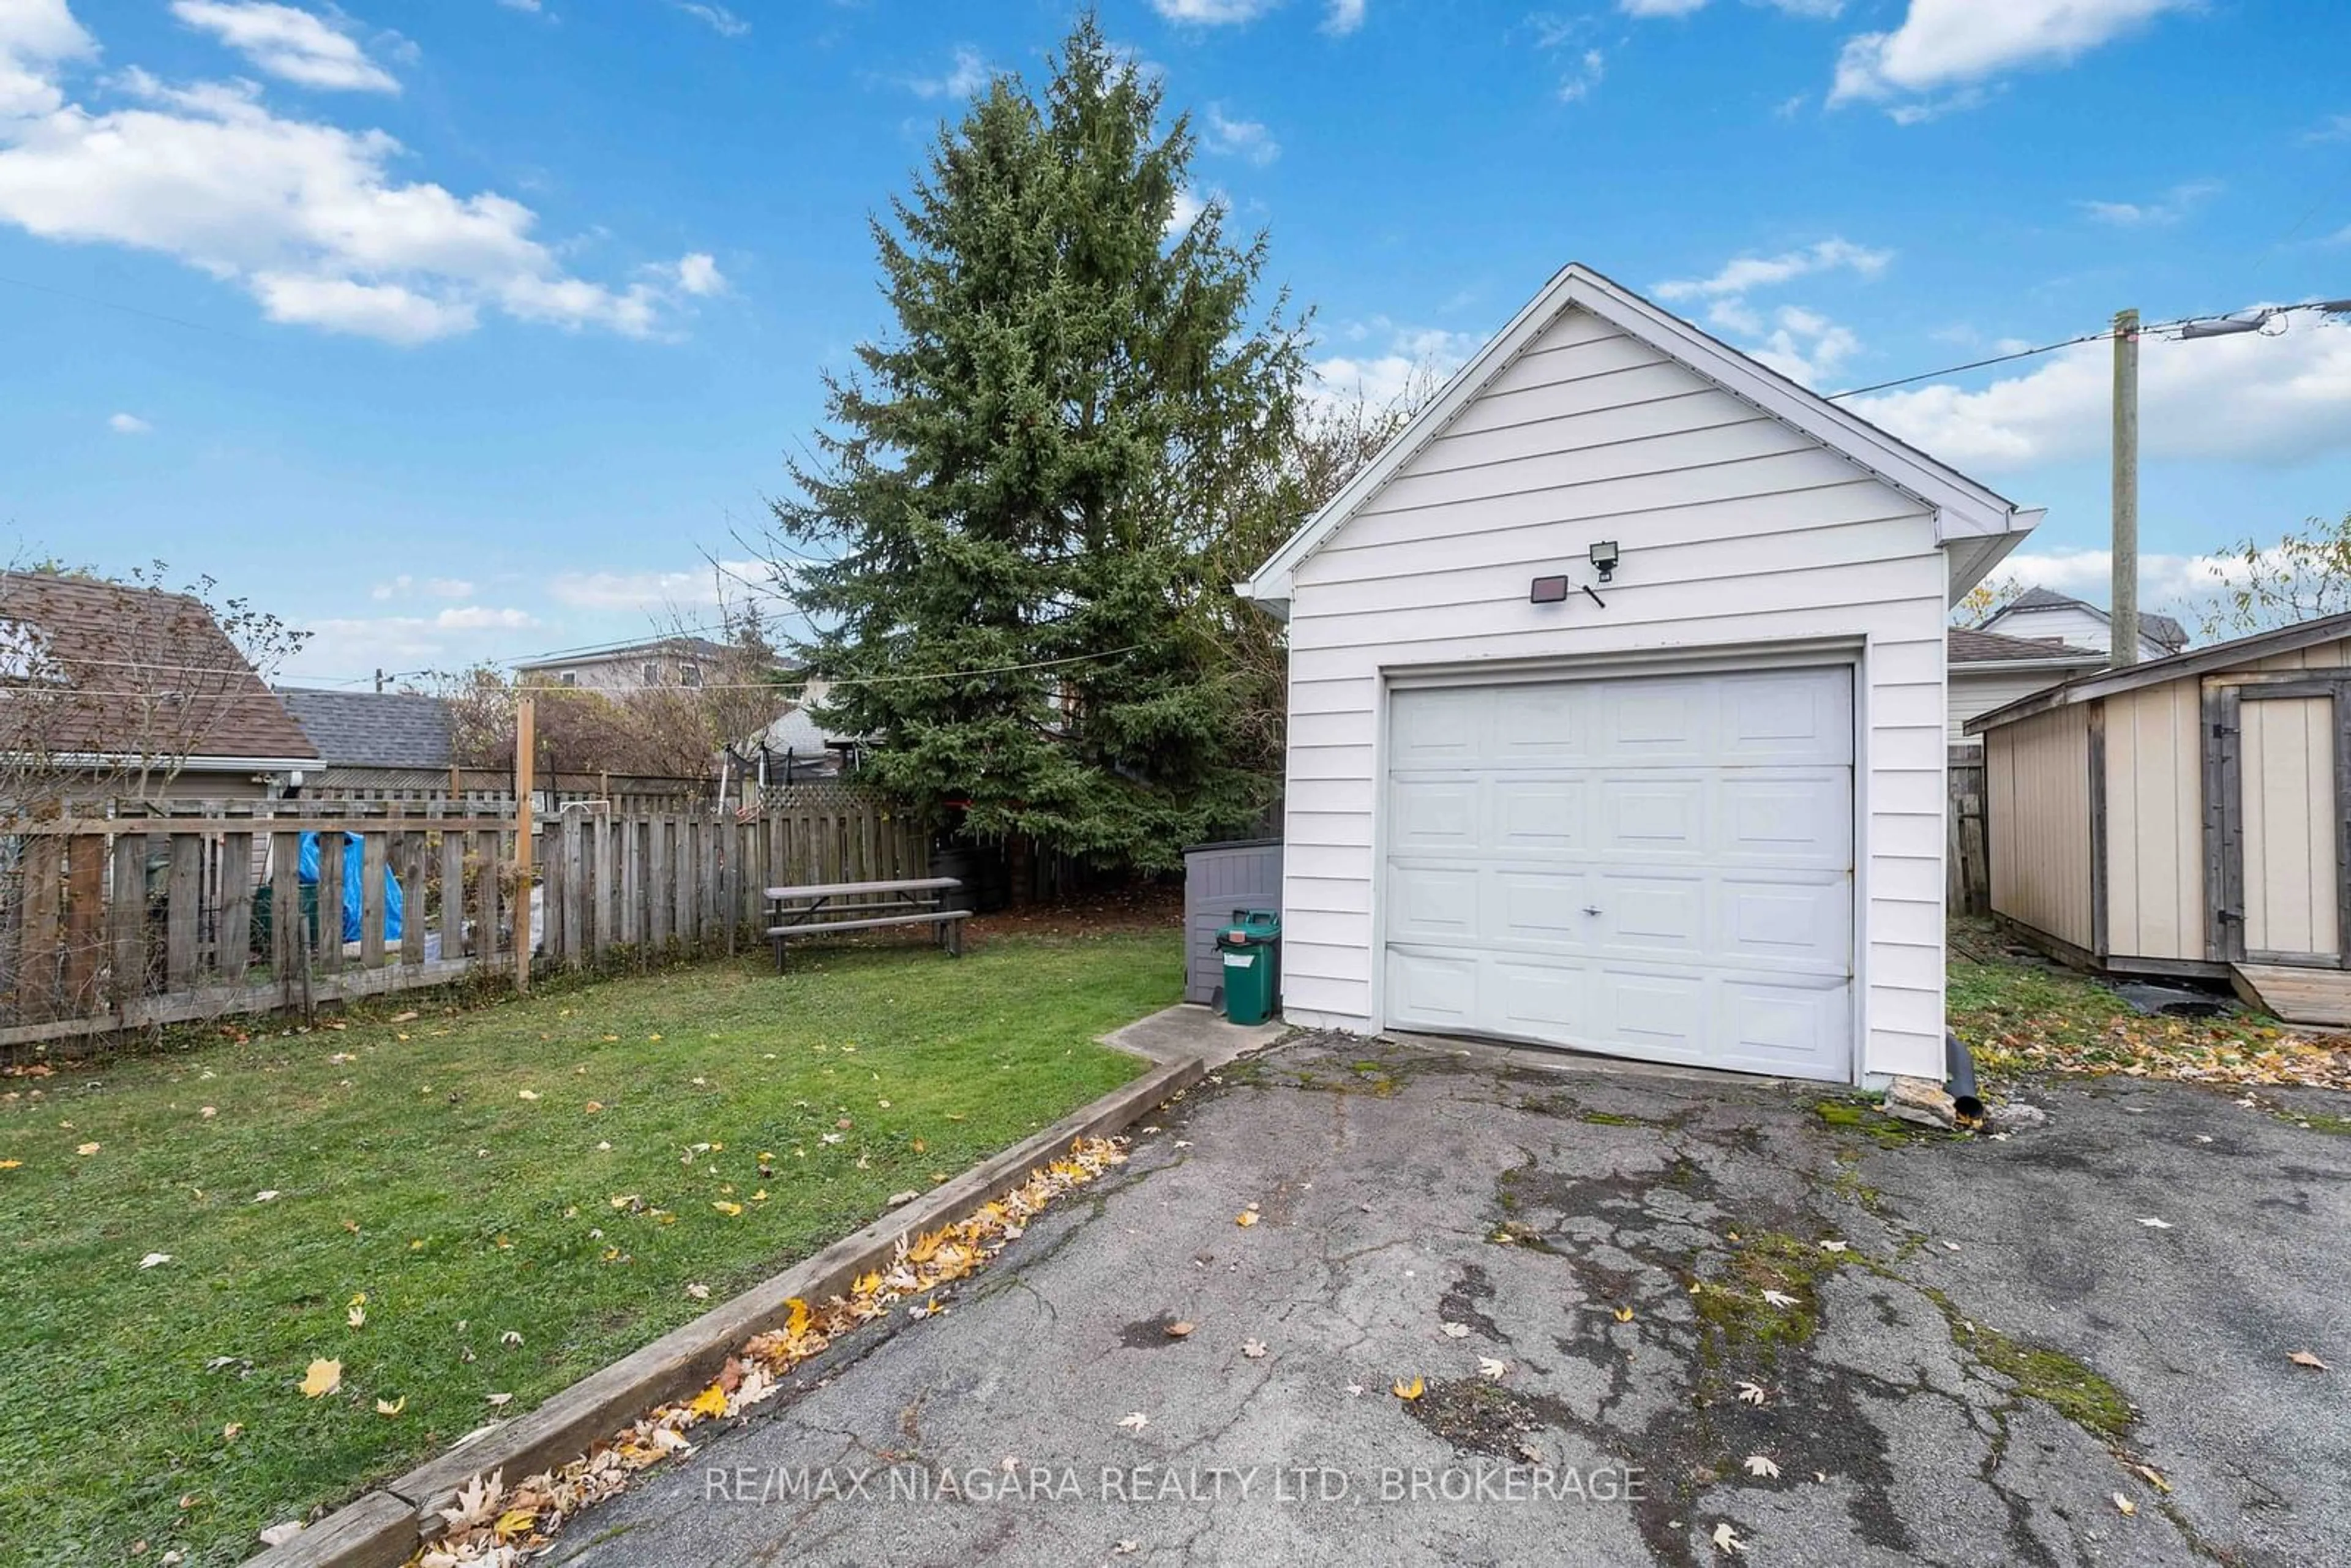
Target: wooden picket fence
x=1968, y=856
x=117, y=917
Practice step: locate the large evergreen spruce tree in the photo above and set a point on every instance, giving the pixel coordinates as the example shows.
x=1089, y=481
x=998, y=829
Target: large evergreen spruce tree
x=1014, y=504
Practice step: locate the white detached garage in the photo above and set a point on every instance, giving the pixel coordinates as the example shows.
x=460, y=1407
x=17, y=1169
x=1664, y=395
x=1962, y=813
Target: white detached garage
x=1617, y=710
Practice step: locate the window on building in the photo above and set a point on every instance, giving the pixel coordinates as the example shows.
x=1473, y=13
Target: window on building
x=689, y=675
x=569, y=677
x=650, y=674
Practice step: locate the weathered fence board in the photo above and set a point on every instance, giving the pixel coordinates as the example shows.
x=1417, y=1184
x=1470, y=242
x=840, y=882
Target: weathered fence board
x=1968, y=858
x=129, y=918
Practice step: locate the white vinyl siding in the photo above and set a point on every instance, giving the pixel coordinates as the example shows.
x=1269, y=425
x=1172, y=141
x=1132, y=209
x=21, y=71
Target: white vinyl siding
x=1978, y=690
x=1739, y=536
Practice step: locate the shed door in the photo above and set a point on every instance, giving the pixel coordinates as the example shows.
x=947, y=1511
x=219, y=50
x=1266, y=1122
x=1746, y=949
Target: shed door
x=1658, y=867
x=2287, y=794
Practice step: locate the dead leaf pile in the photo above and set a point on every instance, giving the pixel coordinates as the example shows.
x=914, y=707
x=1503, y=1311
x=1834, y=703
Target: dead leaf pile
x=490, y=1526
x=2184, y=1050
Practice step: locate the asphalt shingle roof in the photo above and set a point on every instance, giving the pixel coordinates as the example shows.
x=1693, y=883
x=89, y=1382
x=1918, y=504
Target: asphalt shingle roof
x=1970, y=646
x=373, y=729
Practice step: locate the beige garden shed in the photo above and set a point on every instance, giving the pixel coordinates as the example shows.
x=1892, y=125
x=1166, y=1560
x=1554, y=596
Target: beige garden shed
x=2185, y=817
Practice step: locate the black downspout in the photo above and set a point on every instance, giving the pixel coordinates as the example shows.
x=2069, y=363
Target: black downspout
x=1960, y=1076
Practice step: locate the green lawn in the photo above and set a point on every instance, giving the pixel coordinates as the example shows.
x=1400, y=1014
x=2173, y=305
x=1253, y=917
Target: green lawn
x=461, y=1171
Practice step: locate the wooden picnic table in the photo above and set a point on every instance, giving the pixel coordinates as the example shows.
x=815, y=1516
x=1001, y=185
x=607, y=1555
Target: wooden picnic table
x=819, y=908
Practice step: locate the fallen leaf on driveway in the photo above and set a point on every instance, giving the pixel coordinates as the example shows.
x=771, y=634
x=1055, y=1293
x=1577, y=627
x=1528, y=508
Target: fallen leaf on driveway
x=2154, y=1223
x=2303, y=1358
x=324, y=1378
x=1624, y=1315
x=1751, y=1393
x=1125, y=1547
x=1179, y=1331
x=154, y=1259
x=1134, y=1421
x=1488, y=1366
x=1832, y=1247
x=1455, y=1330
x=1246, y=1218
x=1253, y=1348
x=1410, y=1389
x=2124, y=1505
x=1778, y=1299
x=2153, y=1477
x=1727, y=1541
x=1762, y=1464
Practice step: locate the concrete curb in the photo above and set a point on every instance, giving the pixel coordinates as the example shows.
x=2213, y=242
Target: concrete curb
x=385, y=1527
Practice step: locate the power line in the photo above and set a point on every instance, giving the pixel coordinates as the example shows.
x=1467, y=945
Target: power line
x=2156, y=329
x=128, y=310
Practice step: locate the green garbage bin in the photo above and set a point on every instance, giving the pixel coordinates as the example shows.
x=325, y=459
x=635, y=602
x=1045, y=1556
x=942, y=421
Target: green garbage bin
x=1249, y=951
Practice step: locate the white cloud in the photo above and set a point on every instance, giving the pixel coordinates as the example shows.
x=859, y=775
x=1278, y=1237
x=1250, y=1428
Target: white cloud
x=1554, y=33
x=2334, y=127
x=1955, y=47
x=339, y=646
x=698, y=275
x=1241, y=137
x=305, y=216
x=1749, y=272
x=1189, y=206
x=653, y=590
x=1212, y=13
x=533, y=6
x=966, y=76
x=1401, y=359
x=405, y=587
x=2172, y=206
x=482, y=618
x=1805, y=346
x=2237, y=399
x=719, y=18
x=127, y=424
x=1343, y=18
x=288, y=43
x=1581, y=79
x=1790, y=107
x=35, y=37
x=1659, y=8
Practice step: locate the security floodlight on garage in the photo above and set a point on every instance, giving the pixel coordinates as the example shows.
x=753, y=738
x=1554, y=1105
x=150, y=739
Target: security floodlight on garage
x=1604, y=560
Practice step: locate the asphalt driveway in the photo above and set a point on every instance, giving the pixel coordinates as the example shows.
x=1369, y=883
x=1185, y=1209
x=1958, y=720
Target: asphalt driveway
x=1977, y=1377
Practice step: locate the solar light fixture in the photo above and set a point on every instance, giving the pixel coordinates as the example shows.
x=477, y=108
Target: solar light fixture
x=1548, y=591
x=1604, y=560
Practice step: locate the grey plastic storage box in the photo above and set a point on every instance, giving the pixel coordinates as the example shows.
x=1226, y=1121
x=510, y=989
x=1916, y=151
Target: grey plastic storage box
x=1243, y=873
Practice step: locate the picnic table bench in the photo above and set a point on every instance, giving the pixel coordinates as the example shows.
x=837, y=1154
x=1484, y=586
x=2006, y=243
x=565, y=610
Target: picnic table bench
x=822, y=907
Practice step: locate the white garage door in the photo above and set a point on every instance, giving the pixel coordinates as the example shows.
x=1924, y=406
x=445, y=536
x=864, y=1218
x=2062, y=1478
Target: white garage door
x=1657, y=867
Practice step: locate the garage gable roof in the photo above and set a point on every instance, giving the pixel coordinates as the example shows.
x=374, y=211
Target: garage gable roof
x=1965, y=511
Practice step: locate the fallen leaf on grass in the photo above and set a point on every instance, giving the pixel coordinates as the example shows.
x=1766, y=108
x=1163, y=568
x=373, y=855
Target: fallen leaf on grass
x=357, y=1315
x=279, y=1535
x=526, y=1094
x=10, y=1164
x=2303, y=1358
x=699, y=1292
x=1253, y=1348
x=266, y=1194
x=391, y=1406
x=511, y=1339
x=230, y=1433
x=1727, y=1541
x=1409, y=1389
x=89, y=1149
x=324, y=1378
x=726, y=1207
x=1778, y=1299
x=1134, y=1421
x=2124, y=1505
x=1488, y=1366
x=497, y=1401
x=154, y=1259
x=1751, y=1393
x=1762, y=1464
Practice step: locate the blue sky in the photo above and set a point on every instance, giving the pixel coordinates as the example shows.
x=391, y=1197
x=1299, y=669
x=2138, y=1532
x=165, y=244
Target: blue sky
x=458, y=329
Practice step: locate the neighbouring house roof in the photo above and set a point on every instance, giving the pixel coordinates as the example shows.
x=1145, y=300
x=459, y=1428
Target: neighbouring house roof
x=2171, y=667
x=801, y=736
x=680, y=647
x=2160, y=629
x=1967, y=645
x=1976, y=525
x=373, y=729
x=113, y=670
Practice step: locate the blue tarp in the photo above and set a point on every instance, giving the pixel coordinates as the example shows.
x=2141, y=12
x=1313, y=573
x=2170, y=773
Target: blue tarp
x=309, y=871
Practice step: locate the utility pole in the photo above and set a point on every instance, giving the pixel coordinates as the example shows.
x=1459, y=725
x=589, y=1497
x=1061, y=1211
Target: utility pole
x=525, y=745
x=379, y=680
x=2124, y=621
